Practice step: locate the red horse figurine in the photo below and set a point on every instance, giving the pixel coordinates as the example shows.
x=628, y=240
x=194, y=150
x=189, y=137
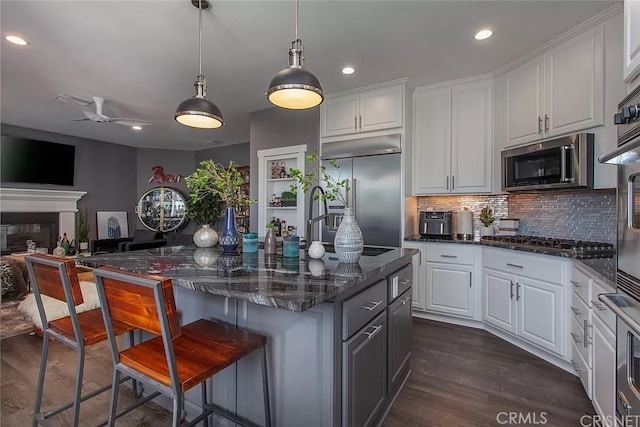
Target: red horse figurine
x=160, y=177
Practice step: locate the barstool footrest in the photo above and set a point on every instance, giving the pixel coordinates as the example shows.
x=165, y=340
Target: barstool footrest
x=225, y=413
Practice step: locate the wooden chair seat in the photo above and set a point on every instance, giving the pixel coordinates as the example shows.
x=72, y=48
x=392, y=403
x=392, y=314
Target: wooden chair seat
x=91, y=324
x=203, y=349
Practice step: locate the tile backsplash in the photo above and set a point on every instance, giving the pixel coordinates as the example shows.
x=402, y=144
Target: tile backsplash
x=580, y=215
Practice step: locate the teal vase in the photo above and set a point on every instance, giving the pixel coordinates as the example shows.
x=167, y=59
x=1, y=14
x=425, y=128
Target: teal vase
x=229, y=238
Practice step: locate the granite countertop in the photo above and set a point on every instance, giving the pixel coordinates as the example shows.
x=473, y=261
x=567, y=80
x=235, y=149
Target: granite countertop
x=295, y=284
x=603, y=268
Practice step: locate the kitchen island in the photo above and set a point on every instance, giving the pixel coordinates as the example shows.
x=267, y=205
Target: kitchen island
x=338, y=334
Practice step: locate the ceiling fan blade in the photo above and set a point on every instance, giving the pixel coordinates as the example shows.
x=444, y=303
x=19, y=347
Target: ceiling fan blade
x=80, y=119
x=72, y=99
x=129, y=122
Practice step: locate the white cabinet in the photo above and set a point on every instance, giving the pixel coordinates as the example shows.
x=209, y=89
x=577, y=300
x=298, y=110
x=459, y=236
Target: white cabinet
x=419, y=274
x=273, y=180
x=631, y=53
x=453, y=139
x=367, y=111
x=594, y=341
x=449, y=279
x=558, y=92
x=524, y=295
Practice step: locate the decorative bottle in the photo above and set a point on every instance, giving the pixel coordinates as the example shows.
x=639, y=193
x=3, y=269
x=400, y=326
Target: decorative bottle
x=229, y=238
x=270, y=243
x=349, y=242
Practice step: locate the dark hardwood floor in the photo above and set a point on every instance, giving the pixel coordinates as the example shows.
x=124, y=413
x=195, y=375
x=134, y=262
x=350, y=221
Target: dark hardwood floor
x=469, y=377
x=461, y=377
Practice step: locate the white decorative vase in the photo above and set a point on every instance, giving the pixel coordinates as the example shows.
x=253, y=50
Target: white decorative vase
x=348, y=242
x=84, y=246
x=205, y=237
x=487, y=231
x=316, y=250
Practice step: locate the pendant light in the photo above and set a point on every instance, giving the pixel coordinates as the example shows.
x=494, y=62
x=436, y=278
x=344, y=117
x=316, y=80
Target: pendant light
x=294, y=87
x=198, y=111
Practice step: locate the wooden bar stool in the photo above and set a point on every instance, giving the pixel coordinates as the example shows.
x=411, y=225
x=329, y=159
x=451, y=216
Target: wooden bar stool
x=57, y=278
x=178, y=357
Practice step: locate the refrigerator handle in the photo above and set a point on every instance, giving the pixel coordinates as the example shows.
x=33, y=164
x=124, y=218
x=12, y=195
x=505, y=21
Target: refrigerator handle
x=354, y=199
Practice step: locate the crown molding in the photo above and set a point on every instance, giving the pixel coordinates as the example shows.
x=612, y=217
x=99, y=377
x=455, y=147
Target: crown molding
x=466, y=80
x=396, y=82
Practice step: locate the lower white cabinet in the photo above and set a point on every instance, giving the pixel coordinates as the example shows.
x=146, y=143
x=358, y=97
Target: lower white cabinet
x=604, y=370
x=449, y=289
x=419, y=274
x=530, y=307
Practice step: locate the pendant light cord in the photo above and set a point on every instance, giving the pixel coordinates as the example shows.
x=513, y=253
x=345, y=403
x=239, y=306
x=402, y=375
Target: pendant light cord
x=200, y=36
x=296, y=19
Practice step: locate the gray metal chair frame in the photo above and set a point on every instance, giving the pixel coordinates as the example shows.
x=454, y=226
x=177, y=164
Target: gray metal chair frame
x=174, y=391
x=78, y=345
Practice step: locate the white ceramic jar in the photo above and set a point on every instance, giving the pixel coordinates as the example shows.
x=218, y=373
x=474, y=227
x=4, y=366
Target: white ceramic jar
x=316, y=250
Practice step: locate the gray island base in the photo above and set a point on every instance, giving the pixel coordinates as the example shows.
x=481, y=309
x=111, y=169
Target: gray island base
x=339, y=335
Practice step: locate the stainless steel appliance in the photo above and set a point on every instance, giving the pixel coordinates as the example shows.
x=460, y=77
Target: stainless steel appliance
x=626, y=302
x=579, y=249
x=373, y=168
x=555, y=164
x=435, y=224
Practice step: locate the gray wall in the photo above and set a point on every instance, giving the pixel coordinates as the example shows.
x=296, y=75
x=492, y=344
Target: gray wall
x=278, y=127
x=239, y=153
x=105, y=171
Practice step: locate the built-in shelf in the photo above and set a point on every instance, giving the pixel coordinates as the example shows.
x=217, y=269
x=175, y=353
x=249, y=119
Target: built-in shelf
x=280, y=179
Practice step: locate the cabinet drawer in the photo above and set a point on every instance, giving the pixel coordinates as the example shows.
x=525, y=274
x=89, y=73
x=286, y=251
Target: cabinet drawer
x=580, y=283
x=450, y=252
x=399, y=282
x=599, y=309
x=579, y=308
x=361, y=308
x=578, y=337
x=536, y=266
x=581, y=368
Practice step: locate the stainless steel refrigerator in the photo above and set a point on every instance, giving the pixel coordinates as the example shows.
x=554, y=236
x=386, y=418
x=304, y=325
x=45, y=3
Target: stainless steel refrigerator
x=373, y=168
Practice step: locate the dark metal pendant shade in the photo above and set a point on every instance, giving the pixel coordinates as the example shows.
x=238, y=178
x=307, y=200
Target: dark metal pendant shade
x=295, y=88
x=199, y=113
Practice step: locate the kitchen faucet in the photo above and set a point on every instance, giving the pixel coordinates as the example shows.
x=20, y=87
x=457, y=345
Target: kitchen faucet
x=311, y=220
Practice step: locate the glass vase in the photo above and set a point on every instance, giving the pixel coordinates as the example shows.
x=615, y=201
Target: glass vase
x=348, y=242
x=205, y=237
x=229, y=237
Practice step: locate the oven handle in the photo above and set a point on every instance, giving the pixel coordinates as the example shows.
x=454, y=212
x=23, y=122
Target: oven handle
x=610, y=301
x=563, y=163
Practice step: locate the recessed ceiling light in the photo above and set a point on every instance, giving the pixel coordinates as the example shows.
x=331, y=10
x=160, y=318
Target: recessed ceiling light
x=348, y=70
x=16, y=40
x=136, y=127
x=483, y=34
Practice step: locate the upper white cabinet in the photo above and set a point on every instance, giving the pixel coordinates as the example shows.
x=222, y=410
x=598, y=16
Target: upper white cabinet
x=366, y=111
x=453, y=133
x=557, y=93
x=631, y=62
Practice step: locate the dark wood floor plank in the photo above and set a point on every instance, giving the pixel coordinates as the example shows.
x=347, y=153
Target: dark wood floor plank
x=460, y=377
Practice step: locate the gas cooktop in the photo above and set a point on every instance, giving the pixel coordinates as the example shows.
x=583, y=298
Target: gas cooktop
x=580, y=249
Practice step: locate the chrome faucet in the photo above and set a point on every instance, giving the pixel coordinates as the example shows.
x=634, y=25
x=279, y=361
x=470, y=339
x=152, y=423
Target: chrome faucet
x=311, y=220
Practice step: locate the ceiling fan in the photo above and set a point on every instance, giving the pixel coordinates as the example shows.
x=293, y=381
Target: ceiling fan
x=97, y=116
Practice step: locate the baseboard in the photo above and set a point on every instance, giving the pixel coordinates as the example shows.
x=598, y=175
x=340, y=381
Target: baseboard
x=449, y=319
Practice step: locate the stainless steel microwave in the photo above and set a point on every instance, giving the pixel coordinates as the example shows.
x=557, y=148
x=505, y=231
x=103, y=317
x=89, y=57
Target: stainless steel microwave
x=555, y=164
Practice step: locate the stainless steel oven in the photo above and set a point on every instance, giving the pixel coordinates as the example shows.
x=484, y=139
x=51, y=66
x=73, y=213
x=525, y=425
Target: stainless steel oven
x=560, y=163
x=626, y=302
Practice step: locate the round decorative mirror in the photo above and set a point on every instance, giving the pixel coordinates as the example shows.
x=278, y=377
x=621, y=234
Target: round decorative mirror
x=162, y=209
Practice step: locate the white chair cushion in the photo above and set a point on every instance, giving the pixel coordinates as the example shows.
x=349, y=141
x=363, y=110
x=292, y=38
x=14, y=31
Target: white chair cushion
x=57, y=309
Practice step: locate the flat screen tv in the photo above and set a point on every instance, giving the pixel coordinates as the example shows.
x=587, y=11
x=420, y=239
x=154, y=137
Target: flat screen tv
x=38, y=162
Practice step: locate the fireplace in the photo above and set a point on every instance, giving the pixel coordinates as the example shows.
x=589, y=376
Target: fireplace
x=34, y=214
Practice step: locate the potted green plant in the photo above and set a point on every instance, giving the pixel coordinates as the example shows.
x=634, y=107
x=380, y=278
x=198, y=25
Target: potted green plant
x=83, y=228
x=348, y=241
x=213, y=179
x=289, y=198
x=487, y=218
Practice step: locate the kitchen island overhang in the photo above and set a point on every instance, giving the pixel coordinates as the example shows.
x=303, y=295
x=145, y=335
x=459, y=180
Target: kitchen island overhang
x=298, y=304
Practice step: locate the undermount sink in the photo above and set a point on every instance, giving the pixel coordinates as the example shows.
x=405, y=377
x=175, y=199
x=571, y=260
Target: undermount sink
x=366, y=251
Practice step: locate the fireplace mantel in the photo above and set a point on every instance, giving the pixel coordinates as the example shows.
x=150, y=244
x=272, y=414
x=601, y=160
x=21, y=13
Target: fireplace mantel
x=41, y=200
